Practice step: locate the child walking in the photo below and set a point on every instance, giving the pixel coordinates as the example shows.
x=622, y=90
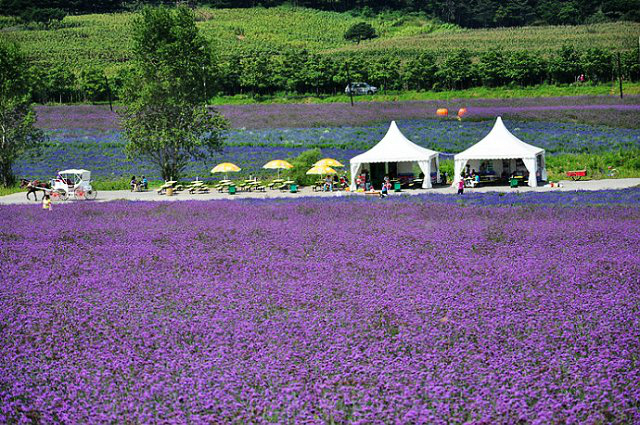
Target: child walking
x=46, y=203
x=461, y=187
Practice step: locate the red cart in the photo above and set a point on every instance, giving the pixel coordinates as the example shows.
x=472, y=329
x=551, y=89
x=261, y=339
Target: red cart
x=577, y=174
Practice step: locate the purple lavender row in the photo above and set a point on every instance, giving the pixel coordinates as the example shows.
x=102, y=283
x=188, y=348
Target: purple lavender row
x=607, y=110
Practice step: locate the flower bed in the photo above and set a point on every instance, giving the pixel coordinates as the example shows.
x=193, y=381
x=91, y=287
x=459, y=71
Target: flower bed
x=315, y=310
x=102, y=151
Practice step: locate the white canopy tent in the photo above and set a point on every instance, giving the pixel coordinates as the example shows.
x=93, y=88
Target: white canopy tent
x=395, y=147
x=500, y=151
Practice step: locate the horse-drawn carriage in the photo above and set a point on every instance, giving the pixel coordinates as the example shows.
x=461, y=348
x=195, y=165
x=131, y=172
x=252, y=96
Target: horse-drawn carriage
x=73, y=183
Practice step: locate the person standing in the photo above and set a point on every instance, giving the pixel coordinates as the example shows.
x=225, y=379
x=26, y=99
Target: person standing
x=46, y=203
x=460, y=186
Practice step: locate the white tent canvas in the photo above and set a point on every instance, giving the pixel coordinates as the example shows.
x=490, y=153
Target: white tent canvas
x=501, y=149
x=395, y=147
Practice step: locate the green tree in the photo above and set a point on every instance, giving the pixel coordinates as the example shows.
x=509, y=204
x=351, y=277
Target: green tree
x=493, y=68
x=513, y=13
x=45, y=16
x=360, y=31
x=257, y=72
x=457, y=71
x=92, y=84
x=17, y=118
x=166, y=120
x=60, y=82
x=526, y=69
x=564, y=66
x=301, y=164
x=420, y=72
x=38, y=87
x=318, y=71
x=597, y=64
x=555, y=12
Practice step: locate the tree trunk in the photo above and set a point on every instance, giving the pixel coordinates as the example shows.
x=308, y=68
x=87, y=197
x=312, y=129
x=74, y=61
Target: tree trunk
x=6, y=174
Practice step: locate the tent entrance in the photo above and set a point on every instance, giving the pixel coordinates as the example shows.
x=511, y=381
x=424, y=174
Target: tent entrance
x=378, y=171
x=381, y=169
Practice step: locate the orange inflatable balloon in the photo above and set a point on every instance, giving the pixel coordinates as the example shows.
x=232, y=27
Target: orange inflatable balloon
x=462, y=112
x=442, y=112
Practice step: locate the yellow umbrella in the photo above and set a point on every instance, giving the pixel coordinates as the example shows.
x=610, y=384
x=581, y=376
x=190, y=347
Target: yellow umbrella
x=322, y=170
x=225, y=167
x=278, y=164
x=328, y=162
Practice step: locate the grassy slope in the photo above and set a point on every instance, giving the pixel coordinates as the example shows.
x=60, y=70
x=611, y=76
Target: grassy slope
x=620, y=35
x=105, y=39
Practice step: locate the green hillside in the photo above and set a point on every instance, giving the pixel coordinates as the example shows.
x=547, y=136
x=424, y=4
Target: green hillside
x=104, y=40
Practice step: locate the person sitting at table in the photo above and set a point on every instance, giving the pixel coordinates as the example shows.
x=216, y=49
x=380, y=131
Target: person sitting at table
x=328, y=184
x=343, y=182
x=134, y=184
x=144, y=183
x=477, y=179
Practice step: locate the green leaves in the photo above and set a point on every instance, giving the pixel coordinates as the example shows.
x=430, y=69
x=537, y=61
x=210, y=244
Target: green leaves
x=166, y=120
x=360, y=31
x=17, y=119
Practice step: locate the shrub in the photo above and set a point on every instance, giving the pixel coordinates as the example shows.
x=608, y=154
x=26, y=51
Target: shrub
x=301, y=165
x=360, y=31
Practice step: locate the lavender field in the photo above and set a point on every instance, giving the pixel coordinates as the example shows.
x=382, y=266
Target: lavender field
x=592, y=110
x=102, y=150
x=405, y=310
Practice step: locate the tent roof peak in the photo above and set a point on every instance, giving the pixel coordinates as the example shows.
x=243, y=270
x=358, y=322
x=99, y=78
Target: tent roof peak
x=394, y=147
x=500, y=143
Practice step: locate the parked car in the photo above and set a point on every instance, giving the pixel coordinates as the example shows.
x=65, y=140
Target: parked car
x=360, y=88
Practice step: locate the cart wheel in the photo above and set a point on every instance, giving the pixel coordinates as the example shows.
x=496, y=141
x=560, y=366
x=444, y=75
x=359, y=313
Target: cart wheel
x=79, y=193
x=63, y=195
x=91, y=194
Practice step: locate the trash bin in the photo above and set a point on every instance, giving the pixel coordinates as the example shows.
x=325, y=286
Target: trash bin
x=397, y=187
x=293, y=188
x=169, y=191
x=232, y=190
x=514, y=182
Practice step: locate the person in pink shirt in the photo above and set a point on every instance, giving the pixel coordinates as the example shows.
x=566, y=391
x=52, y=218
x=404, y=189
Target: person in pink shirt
x=461, y=187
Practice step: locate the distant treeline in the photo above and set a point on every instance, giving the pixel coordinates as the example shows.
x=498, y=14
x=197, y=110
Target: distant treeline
x=301, y=72
x=467, y=13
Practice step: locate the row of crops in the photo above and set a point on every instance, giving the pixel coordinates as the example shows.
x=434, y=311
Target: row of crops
x=105, y=40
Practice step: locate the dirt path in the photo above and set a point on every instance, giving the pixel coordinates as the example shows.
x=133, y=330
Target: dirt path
x=112, y=195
